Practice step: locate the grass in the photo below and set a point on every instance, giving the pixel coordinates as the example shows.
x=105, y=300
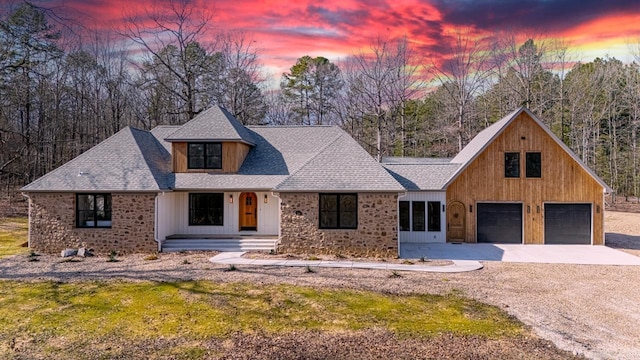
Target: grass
x=201, y=309
x=13, y=233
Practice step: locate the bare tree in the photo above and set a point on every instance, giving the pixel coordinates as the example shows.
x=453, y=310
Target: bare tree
x=463, y=75
x=174, y=42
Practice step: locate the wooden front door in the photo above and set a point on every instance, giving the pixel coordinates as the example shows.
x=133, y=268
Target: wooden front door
x=248, y=211
x=456, y=222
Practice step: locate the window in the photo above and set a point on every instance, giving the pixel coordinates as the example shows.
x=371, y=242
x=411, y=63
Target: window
x=433, y=221
x=404, y=216
x=512, y=165
x=206, y=209
x=418, y=216
x=338, y=211
x=93, y=210
x=205, y=155
x=534, y=165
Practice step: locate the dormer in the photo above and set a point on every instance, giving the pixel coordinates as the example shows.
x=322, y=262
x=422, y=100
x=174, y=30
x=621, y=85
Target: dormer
x=213, y=141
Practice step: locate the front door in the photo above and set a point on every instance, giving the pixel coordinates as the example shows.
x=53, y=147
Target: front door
x=248, y=211
x=455, y=222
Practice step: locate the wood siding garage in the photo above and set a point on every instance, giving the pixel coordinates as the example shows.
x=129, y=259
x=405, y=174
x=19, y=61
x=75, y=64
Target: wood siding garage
x=500, y=223
x=563, y=180
x=567, y=224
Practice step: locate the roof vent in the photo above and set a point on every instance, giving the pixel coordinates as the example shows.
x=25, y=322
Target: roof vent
x=82, y=173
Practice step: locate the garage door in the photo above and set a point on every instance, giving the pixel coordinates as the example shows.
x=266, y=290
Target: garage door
x=567, y=224
x=500, y=223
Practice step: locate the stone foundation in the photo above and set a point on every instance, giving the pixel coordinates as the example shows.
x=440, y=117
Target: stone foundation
x=52, y=225
x=376, y=235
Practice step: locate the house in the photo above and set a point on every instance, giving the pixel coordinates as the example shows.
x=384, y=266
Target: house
x=312, y=189
x=515, y=182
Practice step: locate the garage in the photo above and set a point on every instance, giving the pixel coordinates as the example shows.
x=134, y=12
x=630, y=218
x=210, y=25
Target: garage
x=567, y=224
x=500, y=223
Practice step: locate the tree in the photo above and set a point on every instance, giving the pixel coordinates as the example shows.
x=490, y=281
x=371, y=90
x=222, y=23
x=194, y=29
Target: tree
x=311, y=88
x=173, y=44
x=463, y=75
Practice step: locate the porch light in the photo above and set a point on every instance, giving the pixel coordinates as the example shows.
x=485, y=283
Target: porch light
x=231, y=199
x=266, y=199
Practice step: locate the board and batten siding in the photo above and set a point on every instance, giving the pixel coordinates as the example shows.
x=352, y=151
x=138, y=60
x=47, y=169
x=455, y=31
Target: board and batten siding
x=173, y=215
x=233, y=154
x=425, y=236
x=563, y=181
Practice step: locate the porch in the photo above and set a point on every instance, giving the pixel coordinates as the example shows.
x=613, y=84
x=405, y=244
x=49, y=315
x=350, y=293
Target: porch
x=217, y=242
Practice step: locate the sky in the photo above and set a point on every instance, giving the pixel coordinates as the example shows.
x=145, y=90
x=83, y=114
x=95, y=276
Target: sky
x=286, y=30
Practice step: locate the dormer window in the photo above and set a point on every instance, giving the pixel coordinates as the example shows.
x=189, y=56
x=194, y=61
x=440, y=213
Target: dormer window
x=205, y=155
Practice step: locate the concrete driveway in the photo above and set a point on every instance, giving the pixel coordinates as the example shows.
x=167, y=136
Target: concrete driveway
x=551, y=254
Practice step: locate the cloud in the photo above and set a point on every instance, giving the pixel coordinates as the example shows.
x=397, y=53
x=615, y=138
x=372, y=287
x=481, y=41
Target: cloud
x=335, y=29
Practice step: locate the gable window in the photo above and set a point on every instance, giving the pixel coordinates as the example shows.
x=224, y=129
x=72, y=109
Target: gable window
x=512, y=165
x=534, y=165
x=338, y=211
x=93, y=210
x=404, y=216
x=433, y=221
x=418, y=215
x=204, y=155
x=206, y=209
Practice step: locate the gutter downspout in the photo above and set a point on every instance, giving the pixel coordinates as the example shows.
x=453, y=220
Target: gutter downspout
x=29, y=219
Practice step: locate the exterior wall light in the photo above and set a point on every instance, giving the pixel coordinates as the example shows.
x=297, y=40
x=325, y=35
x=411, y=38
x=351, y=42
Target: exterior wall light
x=231, y=199
x=266, y=199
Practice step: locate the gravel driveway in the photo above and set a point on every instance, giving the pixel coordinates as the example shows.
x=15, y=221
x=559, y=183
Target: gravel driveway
x=588, y=309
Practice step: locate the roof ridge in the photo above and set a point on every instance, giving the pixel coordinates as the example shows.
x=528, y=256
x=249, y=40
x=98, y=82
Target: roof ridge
x=82, y=155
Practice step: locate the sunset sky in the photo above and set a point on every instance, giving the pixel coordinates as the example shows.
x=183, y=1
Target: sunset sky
x=286, y=30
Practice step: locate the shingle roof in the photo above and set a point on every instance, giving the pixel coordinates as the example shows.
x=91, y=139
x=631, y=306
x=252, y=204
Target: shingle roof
x=287, y=158
x=279, y=152
x=213, y=124
x=116, y=164
x=479, y=143
x=413, y=161
x=342, y=165
x=422, y=176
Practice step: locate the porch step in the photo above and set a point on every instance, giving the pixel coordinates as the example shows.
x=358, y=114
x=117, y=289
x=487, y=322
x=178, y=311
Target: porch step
x=235, y=244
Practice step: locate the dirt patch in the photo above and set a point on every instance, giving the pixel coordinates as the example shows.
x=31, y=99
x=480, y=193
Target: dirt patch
x=368, y=344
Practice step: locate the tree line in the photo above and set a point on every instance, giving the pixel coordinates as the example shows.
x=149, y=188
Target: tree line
x=62, y=93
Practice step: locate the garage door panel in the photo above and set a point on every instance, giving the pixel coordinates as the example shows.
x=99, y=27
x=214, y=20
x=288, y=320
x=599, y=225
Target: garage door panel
x=500, y=223
x=567, y=224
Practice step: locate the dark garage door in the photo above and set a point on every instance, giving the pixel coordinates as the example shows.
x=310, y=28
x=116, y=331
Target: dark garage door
x=500, y=223
x=567, y=224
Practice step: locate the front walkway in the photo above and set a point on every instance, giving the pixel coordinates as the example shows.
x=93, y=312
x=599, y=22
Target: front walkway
x=545, y=254
x=235, y=258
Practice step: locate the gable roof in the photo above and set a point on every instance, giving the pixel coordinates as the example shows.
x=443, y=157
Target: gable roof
x=279, y=151
x=116, y=164
x=341, y=165
x=213, y=124
x=282, y=158
x=479, y=143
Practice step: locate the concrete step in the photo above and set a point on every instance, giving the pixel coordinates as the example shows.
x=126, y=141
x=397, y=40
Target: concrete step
x=219, y=244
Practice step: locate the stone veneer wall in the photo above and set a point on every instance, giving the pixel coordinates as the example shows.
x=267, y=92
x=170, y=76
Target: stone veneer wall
x=376, y=235
x=52, y=225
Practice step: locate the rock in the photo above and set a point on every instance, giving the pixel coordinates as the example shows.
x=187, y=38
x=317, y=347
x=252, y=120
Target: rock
x=68, y=252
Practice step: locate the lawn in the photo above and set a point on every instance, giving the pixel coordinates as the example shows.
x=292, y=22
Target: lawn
x=13, y=233
x=197, y=318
